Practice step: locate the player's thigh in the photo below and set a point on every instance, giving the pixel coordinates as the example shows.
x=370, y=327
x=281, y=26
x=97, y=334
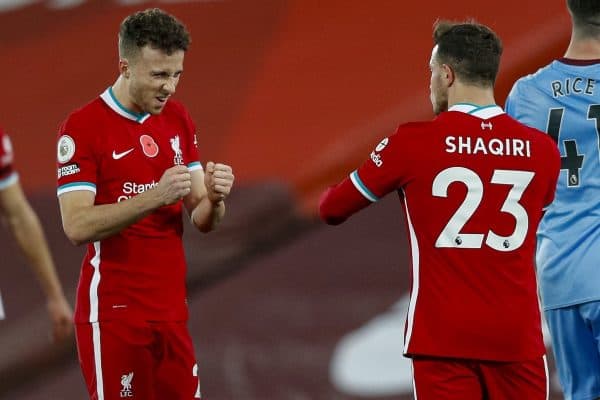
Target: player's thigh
x=115, y=360
x=177, y=375
x=575, y=352
x=446, y=379
x=516, y=380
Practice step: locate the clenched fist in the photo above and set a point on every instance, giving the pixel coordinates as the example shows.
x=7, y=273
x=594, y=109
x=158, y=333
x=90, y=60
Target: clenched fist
x=218, y=179
x=174, y=185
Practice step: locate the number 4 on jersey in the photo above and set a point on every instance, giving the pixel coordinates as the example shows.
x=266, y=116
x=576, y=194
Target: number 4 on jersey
x=572, y=161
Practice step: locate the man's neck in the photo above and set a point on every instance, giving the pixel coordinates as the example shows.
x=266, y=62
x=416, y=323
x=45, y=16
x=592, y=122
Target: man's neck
x=460, y=93
x=583, y=48
x=120, y=91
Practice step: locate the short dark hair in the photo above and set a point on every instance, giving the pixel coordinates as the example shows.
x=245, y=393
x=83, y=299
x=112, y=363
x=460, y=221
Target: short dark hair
x=471, y=49
x=153, y=27
x=586, y=16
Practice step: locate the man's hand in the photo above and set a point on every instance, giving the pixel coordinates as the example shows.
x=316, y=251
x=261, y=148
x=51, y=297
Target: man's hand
x=61, y=316
x=174, y=184
x=218, y=179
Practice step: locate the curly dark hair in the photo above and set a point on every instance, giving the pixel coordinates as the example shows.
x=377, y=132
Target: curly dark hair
x=153, y=27
x=472, y=50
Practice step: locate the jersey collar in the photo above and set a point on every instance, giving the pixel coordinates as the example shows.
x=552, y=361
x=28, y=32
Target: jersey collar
x=111, y=101
x=483, y=112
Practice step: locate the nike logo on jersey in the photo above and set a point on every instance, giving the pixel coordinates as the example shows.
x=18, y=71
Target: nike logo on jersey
x=117, y=156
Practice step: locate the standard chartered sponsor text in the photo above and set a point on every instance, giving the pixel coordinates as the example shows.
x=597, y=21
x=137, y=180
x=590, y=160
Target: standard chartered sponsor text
x=131, y=189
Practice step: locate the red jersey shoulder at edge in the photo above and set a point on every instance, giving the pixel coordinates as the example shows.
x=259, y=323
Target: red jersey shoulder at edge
x=138, y=273
x=473, y=189
x=7, y=172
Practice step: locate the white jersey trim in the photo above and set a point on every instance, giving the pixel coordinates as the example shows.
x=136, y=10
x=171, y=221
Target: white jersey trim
x=98, y=360
x=111, y=101
x=95, y=282
x=412, y=368
x=74, y=186
x=9, y=180
x=194, y=166
x=95, y=261
x=483, y=112
x=362, y=188
x=414, y=246
x=547, y=377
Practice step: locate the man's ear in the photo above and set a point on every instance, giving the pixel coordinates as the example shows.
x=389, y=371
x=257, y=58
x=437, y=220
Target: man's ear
x=124, y=67
x=448, y=74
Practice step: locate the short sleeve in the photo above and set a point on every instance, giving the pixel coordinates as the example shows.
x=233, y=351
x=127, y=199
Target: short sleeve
x=75, y=160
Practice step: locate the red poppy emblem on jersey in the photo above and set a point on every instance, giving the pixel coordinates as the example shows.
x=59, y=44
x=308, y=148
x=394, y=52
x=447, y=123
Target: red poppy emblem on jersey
x=149, y=146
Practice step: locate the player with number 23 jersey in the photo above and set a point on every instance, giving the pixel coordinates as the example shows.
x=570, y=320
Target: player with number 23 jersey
x=473, y=184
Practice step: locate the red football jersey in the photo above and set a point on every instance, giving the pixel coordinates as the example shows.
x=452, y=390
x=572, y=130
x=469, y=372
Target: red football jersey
x=8, y=176
x=138, y=273
x=473, y=184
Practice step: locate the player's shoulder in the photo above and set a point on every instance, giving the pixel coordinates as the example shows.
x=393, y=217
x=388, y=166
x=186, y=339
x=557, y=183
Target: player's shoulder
x=175, y=108
x=175, y=112
x=408, y=129
x=406, y=132
x=535, y=82
x=540, y=74
x=547, y=78
x=86, y=114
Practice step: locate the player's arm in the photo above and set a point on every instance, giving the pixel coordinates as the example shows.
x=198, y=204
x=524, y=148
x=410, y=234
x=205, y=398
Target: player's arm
x=206, y=201
x=339, y=202
x=84, y=222
x=27, y=230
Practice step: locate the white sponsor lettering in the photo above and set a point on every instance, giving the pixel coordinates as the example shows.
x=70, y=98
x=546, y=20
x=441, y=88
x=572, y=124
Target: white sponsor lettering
x=67, y=170
x=376, y=158
x=131, y=189
x=491, y=146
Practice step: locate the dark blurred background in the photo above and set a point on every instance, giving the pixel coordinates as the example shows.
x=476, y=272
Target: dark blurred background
x=293, y=94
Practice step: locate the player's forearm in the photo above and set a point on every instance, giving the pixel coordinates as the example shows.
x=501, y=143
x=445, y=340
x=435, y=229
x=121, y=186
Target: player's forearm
x=339, y=202
x=97, y=222
x=30, y=237
x=207, y=215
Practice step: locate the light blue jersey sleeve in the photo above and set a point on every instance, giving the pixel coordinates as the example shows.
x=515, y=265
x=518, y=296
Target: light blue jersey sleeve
x=564, y=101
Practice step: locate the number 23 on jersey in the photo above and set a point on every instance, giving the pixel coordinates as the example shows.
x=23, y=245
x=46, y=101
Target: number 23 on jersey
x=452, y=235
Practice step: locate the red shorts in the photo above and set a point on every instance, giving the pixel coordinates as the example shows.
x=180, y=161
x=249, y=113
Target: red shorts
x=139, y=360
x=454, y=379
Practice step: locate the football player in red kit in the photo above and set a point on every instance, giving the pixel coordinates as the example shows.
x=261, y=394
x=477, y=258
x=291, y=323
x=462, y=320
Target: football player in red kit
x=25, y=226
x=473, y=184
x=127, y=166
